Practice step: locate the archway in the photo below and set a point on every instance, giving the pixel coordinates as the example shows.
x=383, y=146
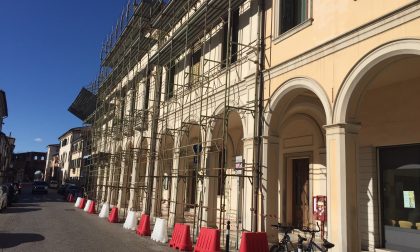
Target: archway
x=296, y=154
x=225, y=171
x=164, y=174
x=188, y=168
x=138, y=178
x=380, y=97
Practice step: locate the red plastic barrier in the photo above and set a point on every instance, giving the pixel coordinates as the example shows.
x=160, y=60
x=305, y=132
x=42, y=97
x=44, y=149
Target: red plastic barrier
x=82, y=203
x=143, y=229
x=208, y=240
x=91, y=209
x=70, y=198
x=181, y=238
x=254, y=242
x=175, y=235
x=113, y=216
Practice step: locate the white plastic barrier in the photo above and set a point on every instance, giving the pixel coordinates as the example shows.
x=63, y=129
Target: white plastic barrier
x=130, y=221
x=87, y=205
x=104, y=211
x=77, y=204
x=160, y=231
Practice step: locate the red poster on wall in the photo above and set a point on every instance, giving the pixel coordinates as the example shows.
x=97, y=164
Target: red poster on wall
x=320, y=207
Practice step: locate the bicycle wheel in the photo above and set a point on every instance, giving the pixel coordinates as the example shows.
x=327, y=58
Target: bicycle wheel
x=278, y=248
x=274, y=248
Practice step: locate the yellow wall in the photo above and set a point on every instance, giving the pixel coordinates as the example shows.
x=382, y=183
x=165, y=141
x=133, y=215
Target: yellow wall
x=330, y=70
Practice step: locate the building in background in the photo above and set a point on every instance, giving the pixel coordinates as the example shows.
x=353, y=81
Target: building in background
x=79, y=157
x=27, y=163
x=72, y=150
x=7, y=146
x=52, y=164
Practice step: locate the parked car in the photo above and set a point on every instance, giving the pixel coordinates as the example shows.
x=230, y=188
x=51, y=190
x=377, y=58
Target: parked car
x=62, y=188
x=73, y=189
x=3, y=197
x=53, y=184
x=40, y=187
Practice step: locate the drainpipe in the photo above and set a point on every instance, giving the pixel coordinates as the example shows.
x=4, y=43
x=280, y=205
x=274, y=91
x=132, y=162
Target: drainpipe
x=259, y=109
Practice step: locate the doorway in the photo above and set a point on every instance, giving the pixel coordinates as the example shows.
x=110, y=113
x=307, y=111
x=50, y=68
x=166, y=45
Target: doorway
x=298, y=191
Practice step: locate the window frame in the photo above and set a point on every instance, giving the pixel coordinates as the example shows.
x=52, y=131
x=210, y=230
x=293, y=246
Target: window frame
x=278, y=35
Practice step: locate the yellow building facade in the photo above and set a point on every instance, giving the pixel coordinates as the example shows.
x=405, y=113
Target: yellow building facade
x=342, y=119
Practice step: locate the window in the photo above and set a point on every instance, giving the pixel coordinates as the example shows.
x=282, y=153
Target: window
x=64, y=142
x=195, y=67
x=399, y=170
x=132, y=103
x=292, y=13
x=170, y=79
x=235, y=39
x=147, y=92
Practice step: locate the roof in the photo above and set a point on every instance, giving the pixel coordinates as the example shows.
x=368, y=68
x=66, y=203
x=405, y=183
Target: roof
x=3, y=104
x=72, y=130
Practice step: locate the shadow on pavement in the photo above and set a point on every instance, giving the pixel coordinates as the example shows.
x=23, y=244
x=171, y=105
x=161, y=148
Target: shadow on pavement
x=20, y=210
x=10, y=240
x=24, y=205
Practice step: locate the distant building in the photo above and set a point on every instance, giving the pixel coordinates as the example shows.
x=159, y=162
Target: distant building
x=27, y=163
x=80, y=154
x=7, y=145
x=72, y=150
x=52, y=164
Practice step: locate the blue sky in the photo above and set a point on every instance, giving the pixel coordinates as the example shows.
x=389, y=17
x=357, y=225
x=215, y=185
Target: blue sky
x=49, y=49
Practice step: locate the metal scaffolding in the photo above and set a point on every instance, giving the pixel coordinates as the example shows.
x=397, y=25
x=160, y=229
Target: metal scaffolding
x=157, y=145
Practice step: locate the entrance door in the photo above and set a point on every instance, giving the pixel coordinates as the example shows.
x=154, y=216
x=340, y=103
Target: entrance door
x=399, y=168
x=300, y=193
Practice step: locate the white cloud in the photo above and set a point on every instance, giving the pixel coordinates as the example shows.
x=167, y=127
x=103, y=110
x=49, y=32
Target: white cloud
x=38, y=140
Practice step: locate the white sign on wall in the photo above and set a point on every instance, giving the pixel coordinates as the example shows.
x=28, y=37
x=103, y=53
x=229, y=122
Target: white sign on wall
x=409, y=199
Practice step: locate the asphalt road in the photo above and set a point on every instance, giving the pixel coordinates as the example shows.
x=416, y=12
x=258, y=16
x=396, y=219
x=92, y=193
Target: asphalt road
x=47, y=223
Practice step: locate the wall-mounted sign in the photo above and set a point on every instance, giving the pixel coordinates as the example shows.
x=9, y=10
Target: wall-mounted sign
x=409, y=199
x=239, y=164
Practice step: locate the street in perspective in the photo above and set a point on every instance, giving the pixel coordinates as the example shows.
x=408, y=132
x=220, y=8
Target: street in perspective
x=46, y=222
x=210, y=125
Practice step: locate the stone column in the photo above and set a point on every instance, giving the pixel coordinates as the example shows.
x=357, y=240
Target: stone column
x=248, y=189
x=342, y=196
x=175, y=210
x=270, y=185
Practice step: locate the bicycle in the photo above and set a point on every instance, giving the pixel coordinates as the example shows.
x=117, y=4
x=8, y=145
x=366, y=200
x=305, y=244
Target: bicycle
x=311, y=245
x=285, y=243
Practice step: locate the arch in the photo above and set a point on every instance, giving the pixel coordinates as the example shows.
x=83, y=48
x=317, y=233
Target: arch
x=218, y=111
x=292, y=85
x=373, y=58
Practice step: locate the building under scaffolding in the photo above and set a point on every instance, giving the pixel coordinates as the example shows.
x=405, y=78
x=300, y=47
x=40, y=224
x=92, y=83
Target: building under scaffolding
x=175, y=113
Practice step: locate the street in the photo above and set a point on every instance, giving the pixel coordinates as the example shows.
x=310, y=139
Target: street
x=48, y=223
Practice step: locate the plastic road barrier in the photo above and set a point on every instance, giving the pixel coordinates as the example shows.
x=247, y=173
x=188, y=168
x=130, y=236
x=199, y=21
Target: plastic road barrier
x=113, y=216
x=181, y=238
x=104, y=211
x=208, y=240
x=131, y=221
x=87, y=205
x=160, y=231
x=91, y=209
x=254, y=242
x=77, y=204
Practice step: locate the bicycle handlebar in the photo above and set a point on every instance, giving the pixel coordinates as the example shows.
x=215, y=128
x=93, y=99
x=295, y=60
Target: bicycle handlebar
x=308, y=230
x=280, y=226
